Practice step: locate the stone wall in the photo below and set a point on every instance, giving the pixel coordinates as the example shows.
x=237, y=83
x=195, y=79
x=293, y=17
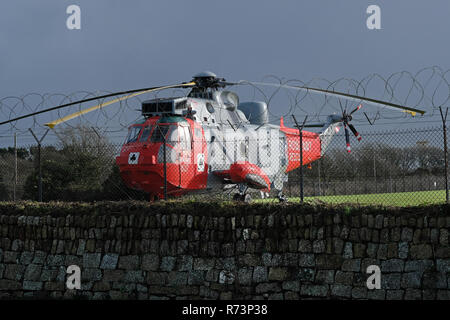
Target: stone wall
x=216, y=251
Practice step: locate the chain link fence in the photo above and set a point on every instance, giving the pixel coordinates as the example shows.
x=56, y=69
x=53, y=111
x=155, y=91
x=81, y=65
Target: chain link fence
x=397, y=167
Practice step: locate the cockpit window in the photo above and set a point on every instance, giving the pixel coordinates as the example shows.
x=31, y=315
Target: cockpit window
x=145, y=133
x=133, y=134
x=162, y=131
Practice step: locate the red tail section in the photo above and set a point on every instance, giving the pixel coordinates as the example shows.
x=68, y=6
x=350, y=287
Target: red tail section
x=311, y=146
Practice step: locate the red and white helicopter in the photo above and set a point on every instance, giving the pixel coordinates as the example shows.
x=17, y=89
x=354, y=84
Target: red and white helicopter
x=207, y=141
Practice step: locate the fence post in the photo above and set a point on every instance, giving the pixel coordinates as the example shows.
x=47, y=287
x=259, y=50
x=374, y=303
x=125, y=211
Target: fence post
x=15, y=166
x=318, y=169
x=39, y=141
x=444, y=128
x=165, y=161
x=300, y=131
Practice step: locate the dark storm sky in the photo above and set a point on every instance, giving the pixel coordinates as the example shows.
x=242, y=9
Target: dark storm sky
x=133, y=44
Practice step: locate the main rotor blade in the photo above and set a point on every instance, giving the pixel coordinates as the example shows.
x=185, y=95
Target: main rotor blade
x=356, y=109
x=347, y=138
x=356, y=133
x=409, y=110
x=136, y=91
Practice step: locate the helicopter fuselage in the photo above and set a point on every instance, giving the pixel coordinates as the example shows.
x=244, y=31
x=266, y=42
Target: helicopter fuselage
x=209, y=144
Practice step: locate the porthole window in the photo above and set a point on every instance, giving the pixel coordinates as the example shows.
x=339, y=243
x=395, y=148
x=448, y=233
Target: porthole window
x=209, y=107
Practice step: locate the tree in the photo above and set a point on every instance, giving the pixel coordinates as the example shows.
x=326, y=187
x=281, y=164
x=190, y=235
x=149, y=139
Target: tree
x=73, y=170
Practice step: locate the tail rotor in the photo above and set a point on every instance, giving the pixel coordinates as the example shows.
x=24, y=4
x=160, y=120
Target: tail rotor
x=346, y=118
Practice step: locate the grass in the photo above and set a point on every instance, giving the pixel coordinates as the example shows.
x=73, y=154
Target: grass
x=399, y=199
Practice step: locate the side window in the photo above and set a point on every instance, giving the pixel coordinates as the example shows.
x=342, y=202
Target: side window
x=133, y=134
x=145, y=134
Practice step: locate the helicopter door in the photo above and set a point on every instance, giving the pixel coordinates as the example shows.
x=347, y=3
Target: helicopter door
x=186, y=166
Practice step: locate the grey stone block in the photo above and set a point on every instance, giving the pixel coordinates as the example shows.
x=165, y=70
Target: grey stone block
x=268, y=287
x=91, y=274
x=196, y=277
x=226, y=277
x=348, y=250
x=392, y=265
x=351, y=265
x=413, y=294
x=304, y=246
x=403, y=249
x=376, y=294
x=134, y=276
x=314, y=290
x=55, y=260
x=411, y=280
x=325, y=276
x=343, y=278
x=49, y=275
x=418, y=265
x=359, y=293
x=341, y=290
x=434, y=280
x=91, y=260
x=394, y=294
x=26, y=257
x=156, y=278
x=168, y=263
x=203, y=263
x=177, y=279
x=260, y=274
x=14, y=271
x=421, y=251
x=226, y=263
x=291, y=285
x=184, y=262
x=305, y=274
x=32, y=285
x=33, y=272
x=245, y=276
x=109, y=261
x=391, y=281
x=306, y=260
x=130, y=262
x=10, y=257
x=443, y=265
x=39, y=257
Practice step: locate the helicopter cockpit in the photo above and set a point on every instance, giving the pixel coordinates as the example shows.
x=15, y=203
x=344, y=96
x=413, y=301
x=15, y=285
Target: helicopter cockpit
x=175, y=132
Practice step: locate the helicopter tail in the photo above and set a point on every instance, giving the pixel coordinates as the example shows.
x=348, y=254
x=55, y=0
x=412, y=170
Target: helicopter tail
x=329, y=129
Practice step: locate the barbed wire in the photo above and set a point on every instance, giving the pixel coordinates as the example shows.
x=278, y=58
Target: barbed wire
x=427, y=89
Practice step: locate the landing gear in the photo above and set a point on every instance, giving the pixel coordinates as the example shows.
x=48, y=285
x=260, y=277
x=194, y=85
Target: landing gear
x=281, y=197
x=242, y=195
x=154, y=198
x=247, y=198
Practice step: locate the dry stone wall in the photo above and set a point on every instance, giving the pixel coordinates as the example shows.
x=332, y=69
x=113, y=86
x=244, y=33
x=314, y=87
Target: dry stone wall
x=217, y=251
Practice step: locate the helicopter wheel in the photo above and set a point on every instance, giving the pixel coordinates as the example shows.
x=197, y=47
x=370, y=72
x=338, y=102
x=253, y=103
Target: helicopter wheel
x=282, y=197
x=247, y=198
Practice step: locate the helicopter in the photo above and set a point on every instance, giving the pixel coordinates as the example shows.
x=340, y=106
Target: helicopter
x=209, y=141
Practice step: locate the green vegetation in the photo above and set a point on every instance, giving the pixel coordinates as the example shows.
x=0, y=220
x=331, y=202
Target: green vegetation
x=399, y=199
